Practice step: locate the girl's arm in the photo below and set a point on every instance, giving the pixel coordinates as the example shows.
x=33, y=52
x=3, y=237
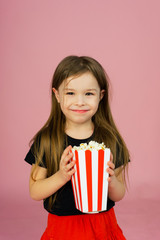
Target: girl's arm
x=116, y=186
x=42, y=187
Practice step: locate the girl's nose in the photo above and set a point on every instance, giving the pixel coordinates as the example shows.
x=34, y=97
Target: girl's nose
x=80, y=100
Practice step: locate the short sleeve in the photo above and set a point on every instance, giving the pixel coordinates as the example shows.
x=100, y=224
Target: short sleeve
x=30, y=158
x=119, y=158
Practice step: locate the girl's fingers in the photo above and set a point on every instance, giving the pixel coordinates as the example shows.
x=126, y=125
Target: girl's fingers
x=66, y=152
x=71, y=172
x=111, y=157
x=66, y=156
x=110, y=171
x=70, y=165
x=111, y=165
x=66, y=166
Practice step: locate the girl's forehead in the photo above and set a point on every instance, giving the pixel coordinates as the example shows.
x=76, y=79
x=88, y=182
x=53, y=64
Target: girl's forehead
x=83, y=80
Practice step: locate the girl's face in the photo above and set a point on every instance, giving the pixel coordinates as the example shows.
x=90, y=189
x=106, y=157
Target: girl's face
x=79, y=98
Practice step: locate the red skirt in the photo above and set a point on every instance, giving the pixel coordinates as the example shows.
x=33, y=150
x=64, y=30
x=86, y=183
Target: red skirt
x=98, y=226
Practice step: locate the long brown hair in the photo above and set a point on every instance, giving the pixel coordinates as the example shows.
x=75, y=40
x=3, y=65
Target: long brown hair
x=49, y=141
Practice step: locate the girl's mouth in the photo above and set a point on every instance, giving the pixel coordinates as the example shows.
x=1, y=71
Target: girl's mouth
x=79, y=111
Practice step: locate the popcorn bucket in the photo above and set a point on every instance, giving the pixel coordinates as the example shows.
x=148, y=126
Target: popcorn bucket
x=90, y=185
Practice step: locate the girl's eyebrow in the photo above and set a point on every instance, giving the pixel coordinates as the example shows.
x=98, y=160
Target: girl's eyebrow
x=90, y=89
x=71, y=89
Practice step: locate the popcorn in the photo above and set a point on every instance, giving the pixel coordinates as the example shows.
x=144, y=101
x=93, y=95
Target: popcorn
x=89, y=183
x=91, y=145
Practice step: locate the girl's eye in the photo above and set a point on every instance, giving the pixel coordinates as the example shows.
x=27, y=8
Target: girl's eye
x=89, y=93
x=70, y=93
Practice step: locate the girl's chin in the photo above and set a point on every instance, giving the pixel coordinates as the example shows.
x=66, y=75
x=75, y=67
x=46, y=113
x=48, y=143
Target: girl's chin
x=79, y=121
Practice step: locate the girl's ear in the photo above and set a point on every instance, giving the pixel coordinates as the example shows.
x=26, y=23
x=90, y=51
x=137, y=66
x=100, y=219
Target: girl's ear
x=56, y=94
x=102, y=94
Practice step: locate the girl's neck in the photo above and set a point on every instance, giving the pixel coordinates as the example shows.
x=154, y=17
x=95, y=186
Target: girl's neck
x=79, y=131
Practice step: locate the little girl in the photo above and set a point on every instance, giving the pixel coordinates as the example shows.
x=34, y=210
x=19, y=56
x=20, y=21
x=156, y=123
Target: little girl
x=80, y=113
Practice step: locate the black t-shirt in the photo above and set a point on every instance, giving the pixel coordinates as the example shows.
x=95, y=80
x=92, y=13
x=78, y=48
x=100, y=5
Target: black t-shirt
x=65, y=204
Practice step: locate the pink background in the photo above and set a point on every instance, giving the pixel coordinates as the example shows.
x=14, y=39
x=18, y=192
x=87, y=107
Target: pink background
x=124, y=36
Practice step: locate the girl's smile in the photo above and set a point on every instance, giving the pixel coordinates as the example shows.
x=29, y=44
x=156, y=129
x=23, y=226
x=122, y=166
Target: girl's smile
x=79, y=111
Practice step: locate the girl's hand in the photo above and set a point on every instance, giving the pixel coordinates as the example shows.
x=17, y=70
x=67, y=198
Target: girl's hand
x=110, y=169
x=66, y=165
x=116, y=187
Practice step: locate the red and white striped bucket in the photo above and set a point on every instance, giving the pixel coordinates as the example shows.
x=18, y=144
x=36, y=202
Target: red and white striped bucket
x=90, y=185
